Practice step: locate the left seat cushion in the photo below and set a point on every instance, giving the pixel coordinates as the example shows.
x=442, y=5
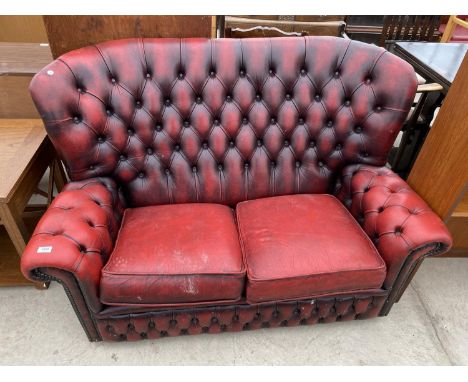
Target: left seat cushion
x=175, y=254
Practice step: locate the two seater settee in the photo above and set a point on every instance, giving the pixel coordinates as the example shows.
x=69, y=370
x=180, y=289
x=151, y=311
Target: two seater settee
x=221, y=185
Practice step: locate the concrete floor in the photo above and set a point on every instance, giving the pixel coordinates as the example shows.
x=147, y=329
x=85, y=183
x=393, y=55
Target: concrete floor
x=427, y=327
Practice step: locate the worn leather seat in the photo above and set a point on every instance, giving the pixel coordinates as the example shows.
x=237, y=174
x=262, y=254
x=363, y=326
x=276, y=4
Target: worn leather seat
x=297, y=246
x=182, y=253
x=163, y=139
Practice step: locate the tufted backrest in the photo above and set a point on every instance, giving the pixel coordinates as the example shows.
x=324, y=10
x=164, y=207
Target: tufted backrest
x=198, y=120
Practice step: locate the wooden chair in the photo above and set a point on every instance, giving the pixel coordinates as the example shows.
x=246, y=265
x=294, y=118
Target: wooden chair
x=451, y=26
x=409, y=28
x=244, y=27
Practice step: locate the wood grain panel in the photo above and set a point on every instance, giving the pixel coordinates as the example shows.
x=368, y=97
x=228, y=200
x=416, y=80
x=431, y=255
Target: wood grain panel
x=15, y=101
x=22, y=29
x=440, y=173
x=23, y=58
x=66, y=33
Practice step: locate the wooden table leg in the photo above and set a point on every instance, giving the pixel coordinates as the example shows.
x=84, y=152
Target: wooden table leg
x=17, y=232
x=60, y=178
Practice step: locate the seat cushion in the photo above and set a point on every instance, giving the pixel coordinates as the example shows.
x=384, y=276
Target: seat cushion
x=301, y=246
x=171, y=254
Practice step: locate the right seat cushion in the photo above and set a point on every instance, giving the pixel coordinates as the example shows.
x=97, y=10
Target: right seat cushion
x=300, y=246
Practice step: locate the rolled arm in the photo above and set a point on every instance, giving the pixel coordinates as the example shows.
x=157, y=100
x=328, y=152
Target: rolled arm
x=402, y=226
x=76, y=235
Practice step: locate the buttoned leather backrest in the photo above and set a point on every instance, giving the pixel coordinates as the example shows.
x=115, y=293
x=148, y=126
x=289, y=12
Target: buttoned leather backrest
x=225, y=120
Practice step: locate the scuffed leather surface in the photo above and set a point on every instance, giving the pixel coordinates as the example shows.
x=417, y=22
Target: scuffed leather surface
x=396, y=219
x=225, y=120
x=181, y=253
x=298, y=246
x=170, y=323
x=80, y=225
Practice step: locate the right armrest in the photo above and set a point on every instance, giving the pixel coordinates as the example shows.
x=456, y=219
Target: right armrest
x=76, y=234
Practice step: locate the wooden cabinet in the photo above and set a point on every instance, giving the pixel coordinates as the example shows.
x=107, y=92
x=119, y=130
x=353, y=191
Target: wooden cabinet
x=440, y=173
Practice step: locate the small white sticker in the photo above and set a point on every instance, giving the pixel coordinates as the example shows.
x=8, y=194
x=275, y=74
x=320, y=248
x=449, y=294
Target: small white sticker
x=44, y=249
x=50, y=72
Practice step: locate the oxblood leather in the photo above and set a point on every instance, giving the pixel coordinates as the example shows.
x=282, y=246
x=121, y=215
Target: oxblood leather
x=397, y=220
x=298, y=246
x=227, y=129
x=80, y=225
x=169, y=121
x=175, y=254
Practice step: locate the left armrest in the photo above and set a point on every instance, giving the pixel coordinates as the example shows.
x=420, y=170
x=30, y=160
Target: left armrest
x=402, y=226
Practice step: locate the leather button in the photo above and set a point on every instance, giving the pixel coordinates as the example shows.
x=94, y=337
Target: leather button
x=242, y=73
x=338, y=147
x=330, y=123
x=288, y=97
x=368, y=80
x=194, y=169
x=378, y=108
x=301, y=121
x=194, y=321
x=364, y=154
x=158, y=127
x=320, y=164
x=141, y=175
x=312, y=144
x=109, y=112
x=272, y=120
x=148, y=75
x=212, y=74
x=286, y=143
x=101, y=139
x=80, y=90
x=123, y=157
x=113, y=80
x=167, y=101
x=216, y=122
x=271, y=72
x=220, y=167
x=214, y=320
x=398, y=231
x=76, y=119
x=177, y=147
x=259, y=142
x=298, y=164
x=258, y=97
x=303, y=72
x=273, y=164
x=358, y=129
x=337, y=74
x=228, y=98
x=186, y=123
x=380, y=209
x=138, y=104
x=317, y=98
x=245, y=121
x=149, y=151
x=181, y=76
x=347, y=102
x=167, y=171
x=91, y=167
x=205, y=145
x=198, y=100
x=130, y=132
x=231, y=143
x=246, y=164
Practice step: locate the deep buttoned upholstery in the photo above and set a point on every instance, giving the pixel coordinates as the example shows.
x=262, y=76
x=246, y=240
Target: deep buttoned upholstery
x=221, y=121
x=178, y=135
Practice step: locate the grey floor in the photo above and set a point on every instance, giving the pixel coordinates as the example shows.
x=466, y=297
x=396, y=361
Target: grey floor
x=428, y=326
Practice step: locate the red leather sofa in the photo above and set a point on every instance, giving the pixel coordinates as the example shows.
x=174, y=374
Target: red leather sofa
x=222, y=185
